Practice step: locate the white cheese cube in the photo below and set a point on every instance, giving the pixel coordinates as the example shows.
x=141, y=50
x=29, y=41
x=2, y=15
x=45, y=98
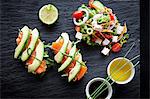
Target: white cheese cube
x=105, y=42
x=97, y=27
x=119, y=29
x=85, y=19
x=105, y=51
x=114, y=38
x=78, y=35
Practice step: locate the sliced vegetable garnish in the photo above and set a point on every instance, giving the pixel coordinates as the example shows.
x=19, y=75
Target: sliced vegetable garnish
x=71, y=61
x=82, y=72
x=39, y=54
x=34, y=37
x=74, y=71
x=22, y=40
x=33, y=51
x=59, y=56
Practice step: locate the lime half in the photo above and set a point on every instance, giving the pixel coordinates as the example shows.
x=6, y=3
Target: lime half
x=48, y=14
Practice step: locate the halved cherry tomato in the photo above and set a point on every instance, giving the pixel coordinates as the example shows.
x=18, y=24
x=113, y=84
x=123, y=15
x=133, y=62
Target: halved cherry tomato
x=108, y=36
x=77, y=14
x=116, y=47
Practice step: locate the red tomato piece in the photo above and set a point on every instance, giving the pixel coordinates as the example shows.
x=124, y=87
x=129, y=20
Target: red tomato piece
x=77, y=14
x=111, y=17
x=108, y=36
x=116, y=47
x=93, y=39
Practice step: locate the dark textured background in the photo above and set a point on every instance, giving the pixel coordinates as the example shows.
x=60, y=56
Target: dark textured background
x=17, y=83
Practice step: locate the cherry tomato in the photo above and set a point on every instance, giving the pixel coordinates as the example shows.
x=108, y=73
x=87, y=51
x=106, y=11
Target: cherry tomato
x=111, y=17
x=116, y=47
x=77, y=14
x=108, y=36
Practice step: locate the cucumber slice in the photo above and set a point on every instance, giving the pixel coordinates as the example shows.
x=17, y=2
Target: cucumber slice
x=75, y=70
x=38, y=57
x=59, y=56
x=19, y=48
x=99, y=6
x=68, y=60
x=35, y=35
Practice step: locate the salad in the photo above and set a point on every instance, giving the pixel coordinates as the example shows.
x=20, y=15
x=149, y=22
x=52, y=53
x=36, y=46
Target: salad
x=96, y=24
x=69, y=56
x=30, y=49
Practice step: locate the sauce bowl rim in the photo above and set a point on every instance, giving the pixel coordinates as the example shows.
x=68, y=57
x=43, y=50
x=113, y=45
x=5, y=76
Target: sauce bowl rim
x=110, y=91
x=132, y=71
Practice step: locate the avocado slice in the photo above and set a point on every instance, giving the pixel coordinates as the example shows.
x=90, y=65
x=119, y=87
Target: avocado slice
x=26, y=35
x=35, y=35
x=75, y=70
x=99, y=6
x=68, y=60
x=59, y=56
x=38, y=57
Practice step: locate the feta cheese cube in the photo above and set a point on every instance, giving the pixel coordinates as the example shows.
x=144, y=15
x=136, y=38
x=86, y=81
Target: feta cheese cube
x=85, y=19
x=119, y=29
x=78, y=35
x=105, y=51
x=97, y=27
x=114, y=38
x=105, y=42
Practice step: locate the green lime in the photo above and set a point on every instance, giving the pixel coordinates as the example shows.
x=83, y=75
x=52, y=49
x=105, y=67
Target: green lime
x=48, y=14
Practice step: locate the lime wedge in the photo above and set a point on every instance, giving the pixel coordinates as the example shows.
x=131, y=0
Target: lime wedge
x=48, y=14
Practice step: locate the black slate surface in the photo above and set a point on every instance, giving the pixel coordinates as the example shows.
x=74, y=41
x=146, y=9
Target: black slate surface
x=17, y=83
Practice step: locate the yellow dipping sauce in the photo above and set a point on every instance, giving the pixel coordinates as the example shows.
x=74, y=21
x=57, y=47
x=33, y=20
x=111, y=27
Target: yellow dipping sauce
x=122, y=74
